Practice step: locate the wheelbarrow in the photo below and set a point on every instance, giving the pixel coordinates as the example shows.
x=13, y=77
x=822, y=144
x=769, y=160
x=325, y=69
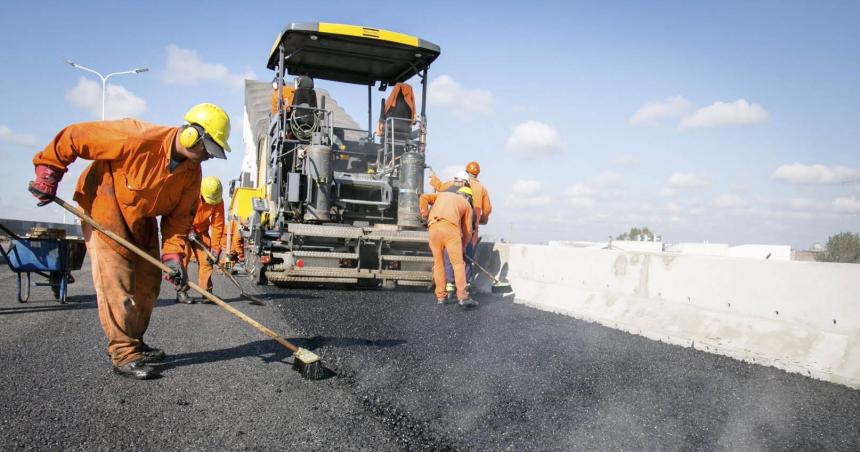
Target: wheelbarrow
x=50, y=257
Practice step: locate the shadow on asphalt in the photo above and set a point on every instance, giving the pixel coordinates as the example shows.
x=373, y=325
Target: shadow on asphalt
x=271, y=352
x=33, y=306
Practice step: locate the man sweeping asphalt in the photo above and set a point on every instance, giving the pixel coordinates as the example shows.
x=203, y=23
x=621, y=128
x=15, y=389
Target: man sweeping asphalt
x=209, y=215
x=140, y=171
x=449, y=223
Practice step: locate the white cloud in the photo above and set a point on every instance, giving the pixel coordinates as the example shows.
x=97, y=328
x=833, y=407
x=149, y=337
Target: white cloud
x=729, y=201
x=7, y=136
x=526, y=187
x=579, y=189
x=847, y=204
x=797, y=173
x=582, y=202
x=533, y=139
x=739, y=112
x=184, y=67
x=119, y=102
x=580, y=195
x=445, y=92
x=626, y=159
x=609, y=180
x=802, y=204
x=687, y=180
x=528, y=193
x=652, y=112
x=674, y=208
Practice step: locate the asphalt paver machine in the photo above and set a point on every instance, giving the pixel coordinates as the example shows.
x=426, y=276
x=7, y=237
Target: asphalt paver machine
x=327, y=201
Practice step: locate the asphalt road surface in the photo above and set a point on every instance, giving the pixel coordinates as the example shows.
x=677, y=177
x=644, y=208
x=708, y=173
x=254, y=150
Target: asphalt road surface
x=402, y=374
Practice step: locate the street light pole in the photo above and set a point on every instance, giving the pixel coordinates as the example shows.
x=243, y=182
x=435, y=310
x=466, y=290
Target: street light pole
x=105, y=78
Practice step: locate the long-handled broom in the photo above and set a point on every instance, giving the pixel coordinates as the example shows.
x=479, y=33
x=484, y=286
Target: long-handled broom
x=251, y=298
x=498, y=286
x=305, y=362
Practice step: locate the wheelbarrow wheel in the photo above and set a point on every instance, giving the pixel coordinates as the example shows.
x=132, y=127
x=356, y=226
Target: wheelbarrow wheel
x=23, y=295
x=58, y=286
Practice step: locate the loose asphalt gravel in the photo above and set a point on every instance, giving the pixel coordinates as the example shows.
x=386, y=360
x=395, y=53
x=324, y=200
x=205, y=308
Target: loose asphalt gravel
x=402, y=374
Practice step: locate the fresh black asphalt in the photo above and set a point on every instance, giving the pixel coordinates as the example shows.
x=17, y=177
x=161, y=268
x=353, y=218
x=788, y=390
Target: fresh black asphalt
x=402, y=374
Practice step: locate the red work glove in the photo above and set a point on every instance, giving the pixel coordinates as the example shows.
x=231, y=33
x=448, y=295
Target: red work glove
x=217, y=253
x=178, y=275
x=44, y=186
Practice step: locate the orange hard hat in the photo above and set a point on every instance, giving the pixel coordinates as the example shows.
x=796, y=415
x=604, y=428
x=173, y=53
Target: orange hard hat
x=473, y=168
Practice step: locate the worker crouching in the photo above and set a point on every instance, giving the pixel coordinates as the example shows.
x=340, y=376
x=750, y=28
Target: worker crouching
x=209, y=214
x=449, y=224
x=139, y=172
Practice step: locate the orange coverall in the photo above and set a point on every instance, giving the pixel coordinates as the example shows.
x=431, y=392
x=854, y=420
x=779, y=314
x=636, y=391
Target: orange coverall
x=480, y=200
x=408, y=96
x=287, y=93
x=237, y=249
x=124, y=189
x=207, y=215
x=449, y=225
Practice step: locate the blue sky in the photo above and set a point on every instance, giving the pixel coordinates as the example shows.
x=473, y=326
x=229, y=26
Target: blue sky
x=726, y=122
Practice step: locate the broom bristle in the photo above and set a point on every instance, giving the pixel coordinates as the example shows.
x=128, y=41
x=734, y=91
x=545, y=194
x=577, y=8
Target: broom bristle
x=308, y=364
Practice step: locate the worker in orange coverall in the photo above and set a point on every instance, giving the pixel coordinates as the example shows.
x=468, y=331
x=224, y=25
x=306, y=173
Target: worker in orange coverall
x=286, y=97
x=140, y=171
x=400, y=104
x=210, y=212
x=236, y=251
x=480, y=204
x=449, y=224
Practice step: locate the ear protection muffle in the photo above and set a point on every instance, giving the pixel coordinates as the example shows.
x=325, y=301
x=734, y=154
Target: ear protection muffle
x=189, y=136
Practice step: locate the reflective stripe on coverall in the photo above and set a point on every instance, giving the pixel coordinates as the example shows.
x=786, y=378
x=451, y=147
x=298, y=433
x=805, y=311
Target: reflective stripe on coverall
x=207, y=215
x=449, y=224
x=124, y=189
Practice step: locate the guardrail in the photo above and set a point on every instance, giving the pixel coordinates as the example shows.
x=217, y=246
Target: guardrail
x=802, y=317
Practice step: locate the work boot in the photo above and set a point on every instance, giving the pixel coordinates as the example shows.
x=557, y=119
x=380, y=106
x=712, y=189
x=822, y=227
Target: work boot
x=468, y=303
x=205, y=300
x=182, y=297
x=441, y=301
x=138, y=370
x=150, y=354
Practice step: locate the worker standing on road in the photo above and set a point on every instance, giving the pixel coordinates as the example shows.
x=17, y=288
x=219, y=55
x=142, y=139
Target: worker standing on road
x=449, y=222
x=140, y=171
x=210, y=213
x=483, y=208
x=236, y=250
x=460, y=179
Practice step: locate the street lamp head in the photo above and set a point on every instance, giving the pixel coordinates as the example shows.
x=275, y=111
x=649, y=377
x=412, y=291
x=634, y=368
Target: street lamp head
x=71, y=63
x=139, y=70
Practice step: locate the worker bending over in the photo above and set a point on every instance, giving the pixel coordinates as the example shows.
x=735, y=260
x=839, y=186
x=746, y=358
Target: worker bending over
x=480, y=204
x=449, y=222
x=140, y=171
x=210, y=213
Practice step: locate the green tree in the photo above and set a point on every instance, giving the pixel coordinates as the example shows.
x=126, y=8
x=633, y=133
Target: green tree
x=843, y=247
x=635, y=233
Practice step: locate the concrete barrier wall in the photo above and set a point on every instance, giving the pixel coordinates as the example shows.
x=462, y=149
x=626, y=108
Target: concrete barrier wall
x=798, y=316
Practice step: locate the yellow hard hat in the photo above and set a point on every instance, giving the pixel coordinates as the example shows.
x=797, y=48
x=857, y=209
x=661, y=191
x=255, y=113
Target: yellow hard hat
x=215, y=123
x=466, y=191
x=210, y=190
